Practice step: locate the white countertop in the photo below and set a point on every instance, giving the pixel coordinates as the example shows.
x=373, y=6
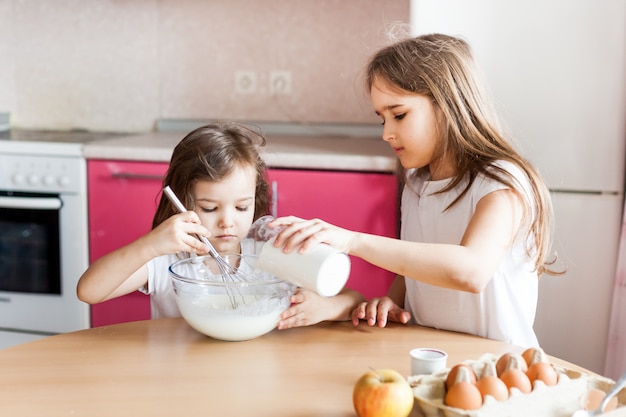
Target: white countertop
x=281, y=151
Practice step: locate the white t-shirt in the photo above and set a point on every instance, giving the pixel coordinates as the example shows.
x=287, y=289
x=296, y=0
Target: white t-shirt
x=160, y=289
x=506, y=309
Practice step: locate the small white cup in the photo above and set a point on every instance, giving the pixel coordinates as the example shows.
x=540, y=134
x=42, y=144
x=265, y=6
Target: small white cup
x=322, y=268
x=425, y=361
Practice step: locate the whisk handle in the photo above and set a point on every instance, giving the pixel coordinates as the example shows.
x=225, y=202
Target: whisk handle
x=212, y=250
x=172, y=197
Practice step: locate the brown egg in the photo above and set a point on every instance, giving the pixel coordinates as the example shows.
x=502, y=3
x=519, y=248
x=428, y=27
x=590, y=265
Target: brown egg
x=528, y=355
x=453, y=374
x=594, y=397
x=514, y=376
x=503, y=362
x=490, y=384
x=463, y=393
x=532, y=355
x=542, y=371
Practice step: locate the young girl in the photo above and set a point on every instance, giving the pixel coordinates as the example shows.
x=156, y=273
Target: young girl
x=217, y=173
x=476, y=216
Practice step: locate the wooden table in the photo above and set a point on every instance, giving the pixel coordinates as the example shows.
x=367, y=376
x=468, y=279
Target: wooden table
x=165, y=368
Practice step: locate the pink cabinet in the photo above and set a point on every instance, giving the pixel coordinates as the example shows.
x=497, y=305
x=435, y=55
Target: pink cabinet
x=366, y=202
x=122, y=199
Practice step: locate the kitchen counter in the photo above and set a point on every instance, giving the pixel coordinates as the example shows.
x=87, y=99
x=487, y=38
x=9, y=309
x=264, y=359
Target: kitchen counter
x=327, y=152
x=165, y=368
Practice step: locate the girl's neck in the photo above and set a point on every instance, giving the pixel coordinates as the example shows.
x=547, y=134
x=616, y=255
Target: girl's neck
x=441, y=170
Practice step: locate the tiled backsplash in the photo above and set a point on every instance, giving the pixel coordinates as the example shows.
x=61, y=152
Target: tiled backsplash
x=120, y=65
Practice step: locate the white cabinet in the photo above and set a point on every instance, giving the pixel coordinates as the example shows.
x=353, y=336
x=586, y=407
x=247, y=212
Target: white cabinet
x=574, y=308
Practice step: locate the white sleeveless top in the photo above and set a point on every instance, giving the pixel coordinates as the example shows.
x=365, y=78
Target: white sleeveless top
x=505, y=310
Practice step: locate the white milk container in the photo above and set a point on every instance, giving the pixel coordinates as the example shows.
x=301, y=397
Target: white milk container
x=322, y=268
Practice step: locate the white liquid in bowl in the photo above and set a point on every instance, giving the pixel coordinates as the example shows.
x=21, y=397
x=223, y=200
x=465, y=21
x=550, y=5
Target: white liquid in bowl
x=215, y=317
x=228, y=310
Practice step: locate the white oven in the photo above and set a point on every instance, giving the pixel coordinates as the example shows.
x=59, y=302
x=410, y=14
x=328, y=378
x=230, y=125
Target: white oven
x=43, y=238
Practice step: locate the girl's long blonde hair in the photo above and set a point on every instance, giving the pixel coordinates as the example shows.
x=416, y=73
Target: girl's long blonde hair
x=442, y=68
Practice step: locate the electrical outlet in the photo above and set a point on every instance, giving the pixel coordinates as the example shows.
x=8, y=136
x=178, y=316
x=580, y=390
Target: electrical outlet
x=245, y=82
x=280, y=82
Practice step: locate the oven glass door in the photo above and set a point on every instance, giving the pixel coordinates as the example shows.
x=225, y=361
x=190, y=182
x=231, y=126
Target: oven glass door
x=30, y=243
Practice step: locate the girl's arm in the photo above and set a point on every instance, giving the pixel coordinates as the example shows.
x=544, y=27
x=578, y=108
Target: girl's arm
x=397, y=290
x=467, y=266
x=124, y=270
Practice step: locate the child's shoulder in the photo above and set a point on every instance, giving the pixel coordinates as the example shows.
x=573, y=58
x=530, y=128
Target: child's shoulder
x=511, y=168
x=509, y=174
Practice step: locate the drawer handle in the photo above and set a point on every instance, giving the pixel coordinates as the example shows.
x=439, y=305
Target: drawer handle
x=134, y=176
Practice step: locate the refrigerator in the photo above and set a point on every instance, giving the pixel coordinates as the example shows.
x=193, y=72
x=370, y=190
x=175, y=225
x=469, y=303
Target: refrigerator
x=557, y=72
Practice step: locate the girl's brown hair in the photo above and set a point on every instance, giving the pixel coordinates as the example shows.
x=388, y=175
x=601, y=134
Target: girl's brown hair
x=210, y=153
x=442, y=68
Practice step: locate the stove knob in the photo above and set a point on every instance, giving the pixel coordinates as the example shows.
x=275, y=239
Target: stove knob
x=63, y=181
x=49, y=180
x=34, y=179
x=18, y=179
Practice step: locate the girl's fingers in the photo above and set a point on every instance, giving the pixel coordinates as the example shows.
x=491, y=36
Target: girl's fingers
x=359, y=313
x=300, y=234
x=198, y=246
x=383, y=312
x=293, y=235
x=187, y=216
x=283, y=221
x=377, y=311
x=371, y=311
x=182, y=231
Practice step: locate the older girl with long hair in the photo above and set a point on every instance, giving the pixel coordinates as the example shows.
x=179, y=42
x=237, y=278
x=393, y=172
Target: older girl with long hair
x=476, y=216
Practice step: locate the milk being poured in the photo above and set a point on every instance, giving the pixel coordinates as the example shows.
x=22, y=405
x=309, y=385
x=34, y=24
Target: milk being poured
x=322, y=268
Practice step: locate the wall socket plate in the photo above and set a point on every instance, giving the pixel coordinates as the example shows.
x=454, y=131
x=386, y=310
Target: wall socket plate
x=246, y=82
x=280, y=82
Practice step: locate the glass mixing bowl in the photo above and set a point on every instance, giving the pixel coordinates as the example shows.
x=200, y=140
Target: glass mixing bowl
x=229, y=307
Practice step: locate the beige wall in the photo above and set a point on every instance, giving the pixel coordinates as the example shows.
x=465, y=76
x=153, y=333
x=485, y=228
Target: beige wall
x=119, y=65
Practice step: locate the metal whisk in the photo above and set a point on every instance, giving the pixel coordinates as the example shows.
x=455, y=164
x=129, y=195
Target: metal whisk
x=228, y=272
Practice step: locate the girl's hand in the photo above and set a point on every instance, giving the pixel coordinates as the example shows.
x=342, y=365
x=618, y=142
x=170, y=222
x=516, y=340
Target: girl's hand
x=304, y=234
x=307, y=308
x=178, y=234
x=380, y=310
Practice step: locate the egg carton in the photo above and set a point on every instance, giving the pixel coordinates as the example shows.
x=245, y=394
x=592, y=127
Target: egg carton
x=560, y=400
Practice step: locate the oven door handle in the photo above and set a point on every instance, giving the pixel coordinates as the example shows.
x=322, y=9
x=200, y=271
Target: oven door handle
x=135, y=176
x=33, y=203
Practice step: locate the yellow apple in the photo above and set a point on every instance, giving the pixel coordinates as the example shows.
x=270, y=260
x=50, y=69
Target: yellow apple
x=382, y=393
